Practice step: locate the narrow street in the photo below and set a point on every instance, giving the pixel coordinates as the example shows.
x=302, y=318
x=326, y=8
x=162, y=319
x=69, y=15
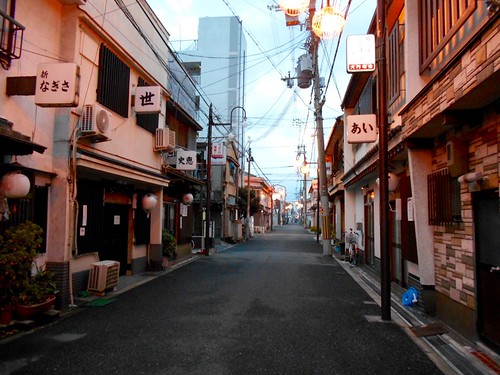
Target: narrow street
x=272, y=305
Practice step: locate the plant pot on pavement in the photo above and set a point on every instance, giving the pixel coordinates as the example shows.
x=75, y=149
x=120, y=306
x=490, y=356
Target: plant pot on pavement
x=6, y=314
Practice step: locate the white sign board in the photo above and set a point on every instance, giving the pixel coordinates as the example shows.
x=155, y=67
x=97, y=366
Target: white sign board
x=185, y=160
x=147, y=99
x=360, y=53
x=218, y=153
x=361, y=128
x=57, y=85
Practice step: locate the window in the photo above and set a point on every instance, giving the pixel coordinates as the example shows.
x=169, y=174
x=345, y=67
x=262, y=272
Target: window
x=113, y=82
x=396, y=61
x=444, y=198
x=439, y=21
x=11, y=33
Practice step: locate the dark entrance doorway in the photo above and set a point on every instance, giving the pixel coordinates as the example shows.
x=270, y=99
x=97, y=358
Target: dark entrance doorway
x=487, y=221
x=115, y=241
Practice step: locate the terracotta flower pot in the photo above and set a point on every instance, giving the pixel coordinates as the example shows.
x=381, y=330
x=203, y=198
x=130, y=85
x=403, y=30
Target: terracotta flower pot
x=28, y=311
x=6, y=314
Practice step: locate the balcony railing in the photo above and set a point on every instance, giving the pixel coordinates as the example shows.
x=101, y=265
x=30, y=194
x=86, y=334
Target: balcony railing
x=11, y=39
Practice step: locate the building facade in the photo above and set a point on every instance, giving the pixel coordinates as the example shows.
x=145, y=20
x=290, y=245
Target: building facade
x=95, y=125
x=442, y=64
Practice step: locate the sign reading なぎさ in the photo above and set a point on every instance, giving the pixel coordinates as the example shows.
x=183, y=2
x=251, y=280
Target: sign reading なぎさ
x=57, y=85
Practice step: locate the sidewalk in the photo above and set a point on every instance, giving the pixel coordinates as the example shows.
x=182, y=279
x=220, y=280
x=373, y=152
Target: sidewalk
x=440, y=342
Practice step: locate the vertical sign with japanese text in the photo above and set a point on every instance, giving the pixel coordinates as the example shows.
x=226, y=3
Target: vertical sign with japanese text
x=218, y=153
x=360, y=53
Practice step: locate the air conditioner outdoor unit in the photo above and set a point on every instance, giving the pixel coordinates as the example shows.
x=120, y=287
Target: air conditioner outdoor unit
x=95, y=120
x=103, y=276
x=164, y=140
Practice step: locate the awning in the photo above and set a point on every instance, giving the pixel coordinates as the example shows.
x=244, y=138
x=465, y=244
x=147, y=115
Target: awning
x=15, y=143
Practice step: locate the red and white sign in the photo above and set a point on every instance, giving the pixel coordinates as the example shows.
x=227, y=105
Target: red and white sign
x=218, y=153
x=360, y=53
x=361, y=128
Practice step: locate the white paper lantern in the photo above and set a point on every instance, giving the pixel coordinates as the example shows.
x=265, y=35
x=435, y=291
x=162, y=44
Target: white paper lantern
x=187, y=198
x=149, y=202
x=15, y=185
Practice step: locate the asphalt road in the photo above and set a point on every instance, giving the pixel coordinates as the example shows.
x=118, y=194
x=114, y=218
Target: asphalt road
x=272, y=305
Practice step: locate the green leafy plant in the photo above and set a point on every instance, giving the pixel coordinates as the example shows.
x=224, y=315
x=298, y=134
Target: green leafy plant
x=38, y=288
x=18, y=250
x=169, y=245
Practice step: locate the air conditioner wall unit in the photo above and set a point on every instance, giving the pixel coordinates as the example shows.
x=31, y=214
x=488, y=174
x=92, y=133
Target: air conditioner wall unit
x=95, y=120
x=164, y=140
x=103, y=276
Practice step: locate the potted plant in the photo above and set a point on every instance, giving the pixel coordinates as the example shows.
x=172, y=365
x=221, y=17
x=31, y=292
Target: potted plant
x=37, y=294
x=18, y=250
x=17, y=253
x=169, y=247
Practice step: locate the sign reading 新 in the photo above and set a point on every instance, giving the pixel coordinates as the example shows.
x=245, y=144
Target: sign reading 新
x=57, y=85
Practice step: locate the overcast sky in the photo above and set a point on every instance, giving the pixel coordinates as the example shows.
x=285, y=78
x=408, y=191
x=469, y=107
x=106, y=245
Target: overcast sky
x=278, y=119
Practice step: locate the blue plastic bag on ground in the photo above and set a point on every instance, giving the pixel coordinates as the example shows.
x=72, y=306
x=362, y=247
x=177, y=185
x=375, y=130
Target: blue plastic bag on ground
x=410, y=297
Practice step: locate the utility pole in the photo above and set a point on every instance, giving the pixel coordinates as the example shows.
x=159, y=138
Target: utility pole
x=206, y=250
x=248, y=194
x=318, y=109
x=385, y=258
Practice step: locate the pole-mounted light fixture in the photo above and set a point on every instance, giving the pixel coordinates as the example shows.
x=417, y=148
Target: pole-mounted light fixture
x=328, y=22
x=293, y=7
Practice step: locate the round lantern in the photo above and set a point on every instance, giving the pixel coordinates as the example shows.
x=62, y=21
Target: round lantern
x=149, y=202
x=187, y=198
x=15, y=185
x=328, y=23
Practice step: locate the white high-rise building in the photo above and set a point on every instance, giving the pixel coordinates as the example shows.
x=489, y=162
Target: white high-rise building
x=217, y=63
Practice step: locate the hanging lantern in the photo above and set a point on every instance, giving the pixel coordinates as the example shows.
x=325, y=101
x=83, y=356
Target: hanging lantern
x=15, y=185
x=149, y=202
x=187, y=199
x=328, y=22
x=294, y=7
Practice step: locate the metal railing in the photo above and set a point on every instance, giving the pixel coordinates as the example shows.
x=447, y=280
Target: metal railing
x=11, y=39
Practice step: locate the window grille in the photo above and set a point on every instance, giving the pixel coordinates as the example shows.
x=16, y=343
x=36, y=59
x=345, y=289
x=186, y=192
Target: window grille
x=113, y=82
x=439, y=21
x=444, y=198
x=396, y=61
